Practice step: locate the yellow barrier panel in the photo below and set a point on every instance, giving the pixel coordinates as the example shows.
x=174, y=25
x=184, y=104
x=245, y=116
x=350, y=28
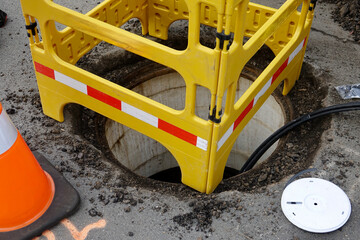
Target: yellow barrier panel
x=285, y=66
x=201, y=147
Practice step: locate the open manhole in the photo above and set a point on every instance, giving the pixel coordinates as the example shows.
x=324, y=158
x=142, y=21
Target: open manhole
x=147, y=158
x=146, y=161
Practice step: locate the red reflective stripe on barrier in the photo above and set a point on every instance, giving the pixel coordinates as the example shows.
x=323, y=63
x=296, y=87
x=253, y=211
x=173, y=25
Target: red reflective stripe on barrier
x=44, y=70
x=103, y=97
x=177, y=132
x=279, y=71
x=243, y=114
x=304, y=41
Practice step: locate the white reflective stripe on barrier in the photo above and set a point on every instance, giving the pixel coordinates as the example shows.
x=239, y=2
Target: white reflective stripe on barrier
x=8, y=132
x=297, y=50
x=201, y=143
x=140, y=114
x=70, y=82
x=263, y=90
x=225, y=137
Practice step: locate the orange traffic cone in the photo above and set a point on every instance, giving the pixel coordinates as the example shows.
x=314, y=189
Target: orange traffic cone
x=26, y=191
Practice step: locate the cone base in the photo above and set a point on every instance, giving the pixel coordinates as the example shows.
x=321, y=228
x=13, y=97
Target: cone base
x=65, y=203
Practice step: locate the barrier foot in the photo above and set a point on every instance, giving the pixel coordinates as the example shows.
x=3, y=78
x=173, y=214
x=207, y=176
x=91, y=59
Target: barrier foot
x=65, y=203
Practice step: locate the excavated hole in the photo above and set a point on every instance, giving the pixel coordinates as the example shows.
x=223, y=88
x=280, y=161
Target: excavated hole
x=142, y=158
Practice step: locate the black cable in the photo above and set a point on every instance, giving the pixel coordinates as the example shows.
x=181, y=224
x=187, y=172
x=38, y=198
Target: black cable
x=299, y=174
x=256, y=155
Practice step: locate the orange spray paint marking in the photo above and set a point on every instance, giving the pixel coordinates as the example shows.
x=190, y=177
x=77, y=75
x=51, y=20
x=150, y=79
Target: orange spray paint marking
x=83, y=233
x=48, y=234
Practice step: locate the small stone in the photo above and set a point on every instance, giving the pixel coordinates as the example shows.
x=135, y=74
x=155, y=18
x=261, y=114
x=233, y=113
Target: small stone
x=344, y=10
x=10, y=111
x=293, y=156
x=55, y=131
x=101, y=197
x=133, y=202
x=131, y=234
x=93, y=212
x=262, y=177
x=127, y=209
x=340, y=177
x=97, y=185
x=290, y=145
x=49, y=124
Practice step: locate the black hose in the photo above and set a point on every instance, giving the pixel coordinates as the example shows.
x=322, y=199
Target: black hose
x=299, y=174
x=256, y=155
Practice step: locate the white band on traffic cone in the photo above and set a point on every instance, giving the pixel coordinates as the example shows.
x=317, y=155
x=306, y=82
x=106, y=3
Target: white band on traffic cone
x=8, y=132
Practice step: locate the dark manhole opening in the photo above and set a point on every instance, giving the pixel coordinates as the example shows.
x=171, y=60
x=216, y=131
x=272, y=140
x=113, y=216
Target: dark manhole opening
x=173, y=175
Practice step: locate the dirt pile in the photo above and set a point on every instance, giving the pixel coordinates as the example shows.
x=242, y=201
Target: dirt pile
x=347, y=14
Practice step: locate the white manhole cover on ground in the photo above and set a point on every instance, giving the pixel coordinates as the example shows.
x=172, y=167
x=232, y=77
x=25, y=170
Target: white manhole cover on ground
x=315, y=205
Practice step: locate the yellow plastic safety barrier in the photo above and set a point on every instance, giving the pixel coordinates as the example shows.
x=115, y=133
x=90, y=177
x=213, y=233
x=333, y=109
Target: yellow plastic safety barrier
x=201, y=147
x=285, y=31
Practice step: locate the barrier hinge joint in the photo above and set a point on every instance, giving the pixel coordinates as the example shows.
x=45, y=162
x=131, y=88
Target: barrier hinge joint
x=223, y=37
x=212, y=116
x=32, y=26
x=312, y=5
